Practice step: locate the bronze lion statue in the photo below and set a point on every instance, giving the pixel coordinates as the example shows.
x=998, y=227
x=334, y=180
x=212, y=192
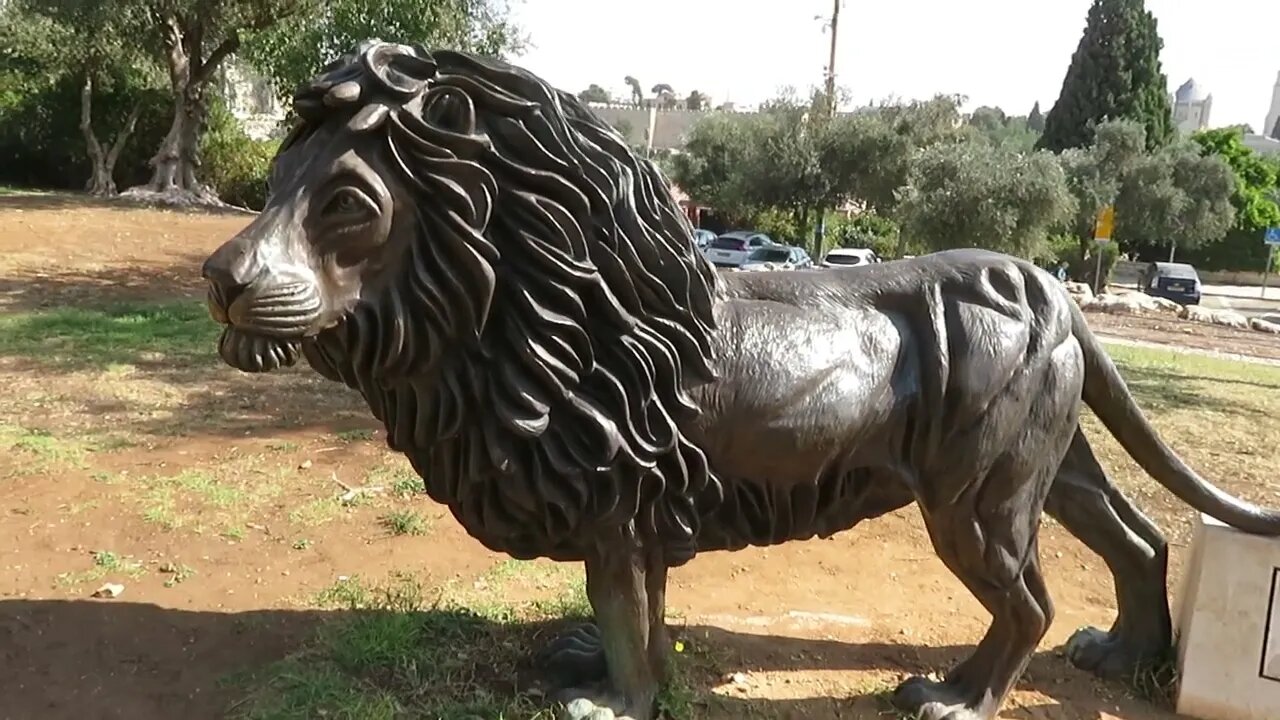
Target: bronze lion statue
x=519, y=300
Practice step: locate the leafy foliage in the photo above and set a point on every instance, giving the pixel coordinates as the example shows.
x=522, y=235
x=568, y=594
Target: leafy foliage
x=293, y=50
x=236, y=165
x=1255, y=197
x=976, y=195
x=1114, y=74
x=1010, y=132
x=594, y=94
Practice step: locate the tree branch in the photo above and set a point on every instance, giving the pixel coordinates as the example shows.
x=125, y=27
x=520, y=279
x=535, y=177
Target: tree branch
x=224, y=50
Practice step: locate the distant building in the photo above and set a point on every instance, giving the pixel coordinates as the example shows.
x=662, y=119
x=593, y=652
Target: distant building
x=1191, y=106
x=252, y=99
x=1261, y=144
x=1273, y=114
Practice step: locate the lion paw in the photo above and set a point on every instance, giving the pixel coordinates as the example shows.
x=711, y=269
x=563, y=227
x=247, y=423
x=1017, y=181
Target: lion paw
x=576, y=658
x=1107, y=655
x=928, y=700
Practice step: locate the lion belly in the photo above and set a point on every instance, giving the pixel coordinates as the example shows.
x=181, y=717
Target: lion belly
x=798, y=425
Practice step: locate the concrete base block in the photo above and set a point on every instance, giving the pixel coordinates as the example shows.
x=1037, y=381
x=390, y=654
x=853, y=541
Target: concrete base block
x=1228, y=626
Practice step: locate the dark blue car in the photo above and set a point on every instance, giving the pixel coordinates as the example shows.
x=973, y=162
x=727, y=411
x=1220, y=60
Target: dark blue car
x=1178, y=282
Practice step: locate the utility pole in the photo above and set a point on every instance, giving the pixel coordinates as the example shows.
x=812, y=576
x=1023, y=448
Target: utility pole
x=831, y=64
x=820, y=229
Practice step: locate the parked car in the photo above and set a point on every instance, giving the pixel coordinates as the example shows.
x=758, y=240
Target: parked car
x=732, y=248
x=777, y=257
x=702, y=238
x=1178, y=282
x=849, y=257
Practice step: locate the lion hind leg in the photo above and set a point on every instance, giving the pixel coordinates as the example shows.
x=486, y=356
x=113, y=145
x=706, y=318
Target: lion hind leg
x=992, y=548
x=1092, y=509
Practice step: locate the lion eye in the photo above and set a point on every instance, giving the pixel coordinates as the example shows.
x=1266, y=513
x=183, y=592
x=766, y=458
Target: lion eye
x=348, y=202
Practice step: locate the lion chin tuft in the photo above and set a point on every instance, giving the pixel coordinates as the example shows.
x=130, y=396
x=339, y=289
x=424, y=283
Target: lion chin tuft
x=253, y=353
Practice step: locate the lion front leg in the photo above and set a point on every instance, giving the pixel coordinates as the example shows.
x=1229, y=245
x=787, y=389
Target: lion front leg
x=615, y=657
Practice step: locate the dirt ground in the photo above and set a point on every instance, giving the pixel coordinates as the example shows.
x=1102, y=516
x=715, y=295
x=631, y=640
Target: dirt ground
x=213, y=497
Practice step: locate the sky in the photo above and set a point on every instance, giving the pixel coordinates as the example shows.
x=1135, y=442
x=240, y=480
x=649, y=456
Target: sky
x=1007, y=53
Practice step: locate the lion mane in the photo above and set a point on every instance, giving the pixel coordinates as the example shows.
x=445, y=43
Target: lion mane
x=533, y=349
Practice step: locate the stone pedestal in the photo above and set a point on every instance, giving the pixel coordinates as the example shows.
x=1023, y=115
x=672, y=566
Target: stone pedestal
x=1228, y=626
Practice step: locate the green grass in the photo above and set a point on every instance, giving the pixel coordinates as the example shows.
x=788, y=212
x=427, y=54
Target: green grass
x=123, y=334
x=360, y=435
x=105, y=564
x=222, y=499
x=406, y=522
x=392, y=652
x=39, y=450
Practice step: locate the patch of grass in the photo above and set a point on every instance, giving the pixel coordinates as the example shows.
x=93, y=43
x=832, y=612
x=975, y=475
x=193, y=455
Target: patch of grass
x=357, y=435
x=223, y=498
x=405, y=522
x=122, y=334
x=393, y=653
x=177, y=573
x=37, y=450
x=105, y=563
x=316, y=512
x=1217, y=415
x=398, y=476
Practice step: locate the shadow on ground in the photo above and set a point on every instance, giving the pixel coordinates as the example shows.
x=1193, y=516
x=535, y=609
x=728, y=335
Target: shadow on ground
x=1165, y=389
x=30, y=290
x=77, y=659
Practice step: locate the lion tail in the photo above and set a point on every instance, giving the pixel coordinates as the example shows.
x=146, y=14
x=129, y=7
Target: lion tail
x=1106, y=393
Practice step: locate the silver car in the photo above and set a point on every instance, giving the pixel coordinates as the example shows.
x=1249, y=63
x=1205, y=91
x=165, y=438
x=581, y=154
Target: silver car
x=732, y=248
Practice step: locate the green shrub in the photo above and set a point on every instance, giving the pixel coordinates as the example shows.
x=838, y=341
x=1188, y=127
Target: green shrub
x=865, y=230
x=781, y=226
x=234, y=164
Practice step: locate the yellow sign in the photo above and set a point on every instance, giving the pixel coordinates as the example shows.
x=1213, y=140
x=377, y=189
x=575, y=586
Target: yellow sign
x=1104, y=225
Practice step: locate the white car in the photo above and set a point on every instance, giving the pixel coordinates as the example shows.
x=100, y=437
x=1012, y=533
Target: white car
x=776, y=257
x=732, y=248
x=849, y=257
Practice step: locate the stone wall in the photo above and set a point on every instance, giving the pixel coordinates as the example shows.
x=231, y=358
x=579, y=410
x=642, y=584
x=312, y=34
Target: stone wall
x=252, y=99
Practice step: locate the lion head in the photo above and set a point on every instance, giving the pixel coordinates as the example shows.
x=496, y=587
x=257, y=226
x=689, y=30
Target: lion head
x=513, y=291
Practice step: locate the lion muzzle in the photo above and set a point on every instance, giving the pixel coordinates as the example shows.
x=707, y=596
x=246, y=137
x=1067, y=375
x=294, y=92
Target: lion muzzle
x=266, y=313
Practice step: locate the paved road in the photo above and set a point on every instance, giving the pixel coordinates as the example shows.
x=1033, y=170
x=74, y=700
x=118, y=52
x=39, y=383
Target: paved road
x=1244, y=299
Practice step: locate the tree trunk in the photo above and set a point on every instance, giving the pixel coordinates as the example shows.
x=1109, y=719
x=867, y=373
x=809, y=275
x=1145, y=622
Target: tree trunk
x=1173, y=248
x=100, y=182
x=102, y=165
x=175, y=167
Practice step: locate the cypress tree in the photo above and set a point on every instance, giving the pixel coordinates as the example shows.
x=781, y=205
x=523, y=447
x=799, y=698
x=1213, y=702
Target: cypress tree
x=1115, y=74
x=1035, y=120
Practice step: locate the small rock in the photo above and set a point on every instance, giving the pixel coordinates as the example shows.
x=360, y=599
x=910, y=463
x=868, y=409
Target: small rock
x=109, y=590
x=1265, y=326
x=305, y=464
x=738, y=678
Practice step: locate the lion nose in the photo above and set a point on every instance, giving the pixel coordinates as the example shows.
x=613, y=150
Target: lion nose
x=224, y=286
